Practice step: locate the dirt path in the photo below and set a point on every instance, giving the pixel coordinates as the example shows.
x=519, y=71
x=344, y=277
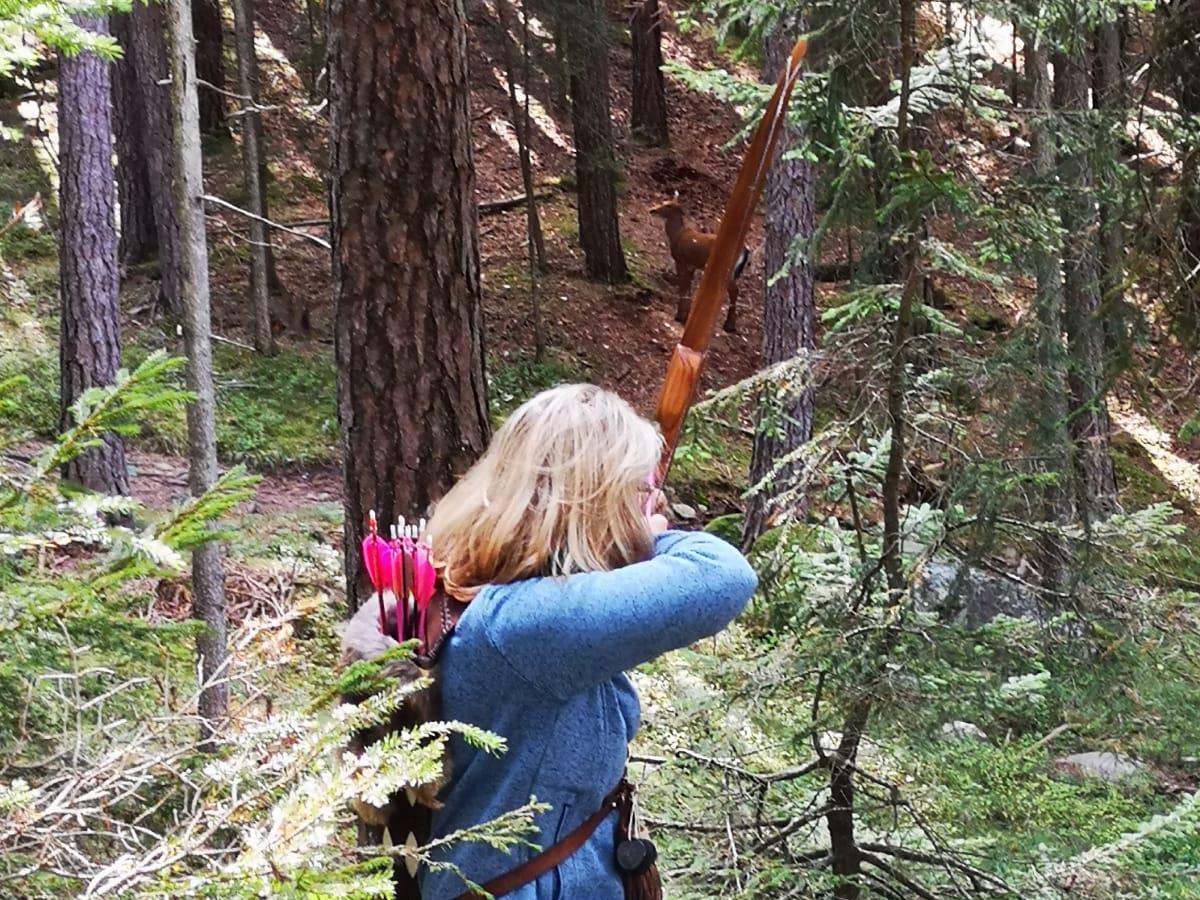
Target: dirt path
x=159, y=481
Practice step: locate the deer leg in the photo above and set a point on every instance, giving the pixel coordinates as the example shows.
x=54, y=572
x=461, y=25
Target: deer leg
x=731, y=316
x=684, y=274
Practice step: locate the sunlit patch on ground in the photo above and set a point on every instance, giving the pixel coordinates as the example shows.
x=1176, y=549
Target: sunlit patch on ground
x=1184, y=476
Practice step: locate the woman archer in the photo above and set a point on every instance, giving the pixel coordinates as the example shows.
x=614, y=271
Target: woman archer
x=570, y=583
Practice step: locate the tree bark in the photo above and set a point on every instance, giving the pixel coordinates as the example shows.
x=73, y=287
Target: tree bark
x=595, y=163
x=408, y=326
x=90, y=338
x=252, y=169
x=208, y=585
x=210, y=65
x=839, y=821
x=138, y=234
x=1051, y=440
x=1183, y=69
x=1110, y=100
x=789, y=309
x=559, y=69
x=520, y=120
x=648, y=116
x=148, y=52
x=1085, y=335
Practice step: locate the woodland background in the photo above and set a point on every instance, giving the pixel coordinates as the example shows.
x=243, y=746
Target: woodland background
x=957, y=431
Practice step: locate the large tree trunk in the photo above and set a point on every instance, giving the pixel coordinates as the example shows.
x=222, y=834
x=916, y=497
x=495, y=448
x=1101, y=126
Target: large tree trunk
x=521, y=122
x=208, y=586
x=139, y=238
x=408, y=326
x=595, y=163
x=649, y=113
x=1110, y=100
x=148, y=52
x=1050, y=434
x=789, y=311
x=1183, y=68
x=210, y=65
x=1085, y=335
x=90, y=338
x=535, y=244
x=252, y=170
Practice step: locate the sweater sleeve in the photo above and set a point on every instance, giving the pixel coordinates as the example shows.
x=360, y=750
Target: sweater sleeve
x=566, y=634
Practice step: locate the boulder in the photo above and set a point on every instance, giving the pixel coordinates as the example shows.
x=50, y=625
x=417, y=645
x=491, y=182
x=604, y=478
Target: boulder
x=971, y=597
x=1102, y=765
x=683, y=512
x=960, y=732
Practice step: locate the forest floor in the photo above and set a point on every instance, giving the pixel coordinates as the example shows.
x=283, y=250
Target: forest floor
x=619, y=337
x=278, y=416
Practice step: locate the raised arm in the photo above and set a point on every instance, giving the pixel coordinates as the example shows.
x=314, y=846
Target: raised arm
x=566, y=634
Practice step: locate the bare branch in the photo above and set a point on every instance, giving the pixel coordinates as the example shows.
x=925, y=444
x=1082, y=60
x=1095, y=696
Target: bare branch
x=225, y=204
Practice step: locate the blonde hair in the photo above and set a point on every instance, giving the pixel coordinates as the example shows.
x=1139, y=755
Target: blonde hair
x=559, y=490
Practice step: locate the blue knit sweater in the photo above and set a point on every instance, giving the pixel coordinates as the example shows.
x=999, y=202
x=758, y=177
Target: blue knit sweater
x=542, y=662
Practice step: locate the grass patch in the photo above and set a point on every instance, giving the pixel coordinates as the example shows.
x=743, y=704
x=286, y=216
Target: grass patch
x=1007, y=795
x=710, y=465
x=514, y=379
x=1139, y=481
x=30, y=407
x=23, y=244
x=559, y=217
x=271, y=411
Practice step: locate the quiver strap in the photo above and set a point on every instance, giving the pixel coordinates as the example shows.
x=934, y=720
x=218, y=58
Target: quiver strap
x=440, y=621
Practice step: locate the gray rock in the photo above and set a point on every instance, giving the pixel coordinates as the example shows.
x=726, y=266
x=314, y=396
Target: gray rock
x=1103, y=765
x=972, y=597
x=960, y=732
x=683, y=512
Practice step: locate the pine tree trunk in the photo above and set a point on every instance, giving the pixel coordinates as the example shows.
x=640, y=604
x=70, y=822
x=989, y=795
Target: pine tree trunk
x=560, y=76
x=148, y=51
x=789, y=310
x=285, y=314
x=408, y=325
x=1051, y=440
x=1110, y=100
x=210, y=65
x=521, y=125
x=138, y=234
x=649, y=113
x=1183, y=46
x=252, y=169
x=595, y=163
x=208, y=584
x=90, y=335
x=1081, y=276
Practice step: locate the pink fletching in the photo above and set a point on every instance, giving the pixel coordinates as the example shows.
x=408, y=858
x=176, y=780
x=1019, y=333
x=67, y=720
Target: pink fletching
x=371, y=559
x=424, y=576
x=399, y=588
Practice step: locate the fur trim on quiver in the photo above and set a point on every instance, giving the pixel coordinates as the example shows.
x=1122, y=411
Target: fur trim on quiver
x=406, y=818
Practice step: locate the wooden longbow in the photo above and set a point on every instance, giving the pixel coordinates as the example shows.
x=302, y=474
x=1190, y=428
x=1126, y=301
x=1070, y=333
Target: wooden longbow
x=687, y=360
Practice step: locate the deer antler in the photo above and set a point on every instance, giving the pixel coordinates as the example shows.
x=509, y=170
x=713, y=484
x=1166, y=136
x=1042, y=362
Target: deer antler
x=687, y=360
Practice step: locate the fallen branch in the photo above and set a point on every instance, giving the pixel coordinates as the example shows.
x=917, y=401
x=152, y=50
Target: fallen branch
x=757, y=777
x=1033, y=748
x=505, y=203
x=225, y=204
x=232, y=343
x=485, y=207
